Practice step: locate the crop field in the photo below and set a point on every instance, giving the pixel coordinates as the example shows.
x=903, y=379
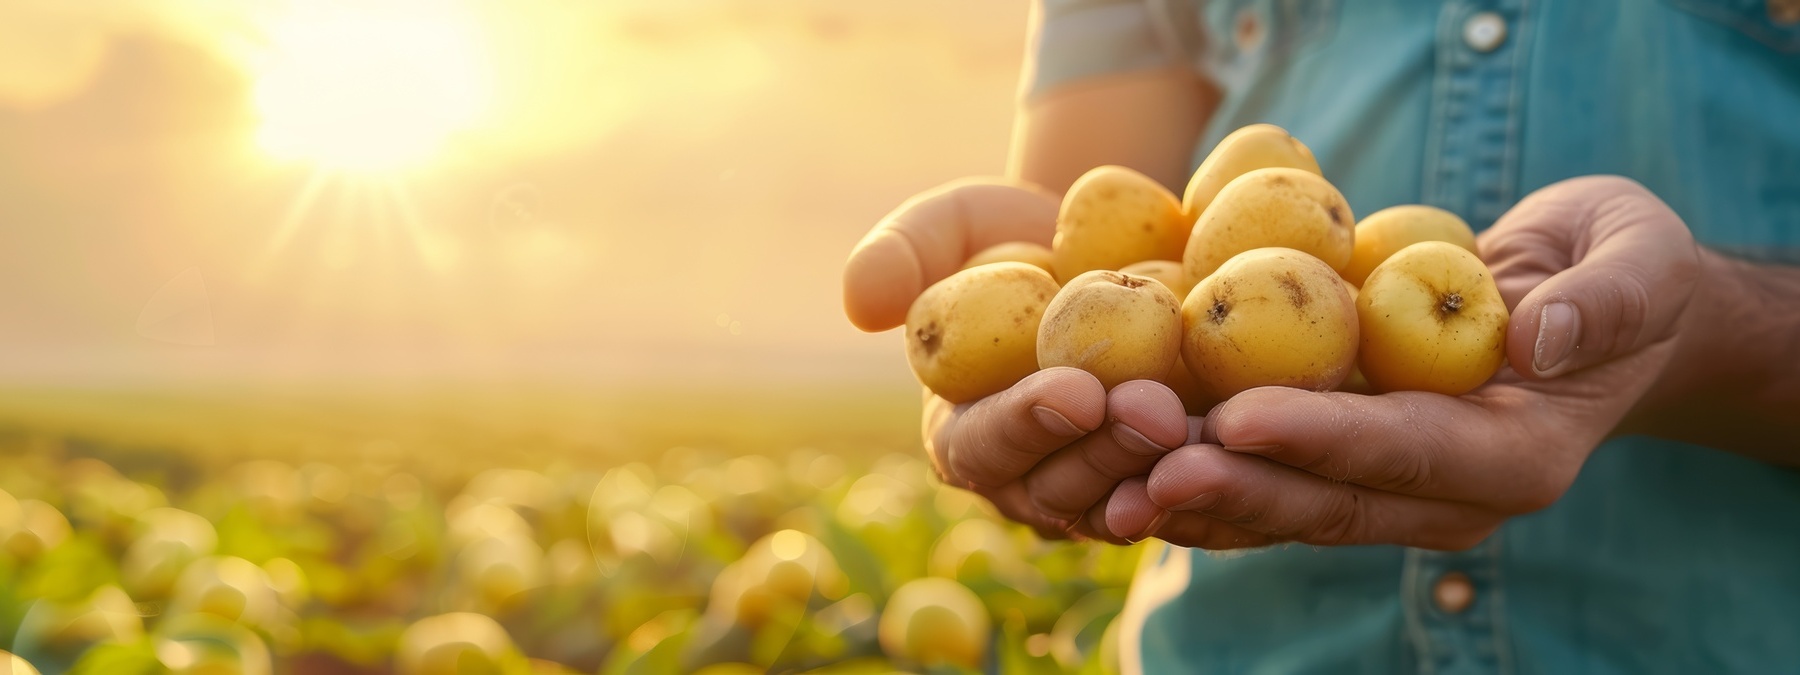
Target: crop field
x=477, y=529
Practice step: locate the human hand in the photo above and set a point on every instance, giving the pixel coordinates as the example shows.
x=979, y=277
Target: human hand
x=1049, y=450
x=1598, y=273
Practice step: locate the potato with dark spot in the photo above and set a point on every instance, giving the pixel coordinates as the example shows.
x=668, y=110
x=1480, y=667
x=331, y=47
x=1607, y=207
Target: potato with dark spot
x=1433, y=321
x=1117, y=326
x=975, y=332
x=1287, y=208
x=1012, y=251
x=1166, y=271
x=1112, y=217
x=1269, y=316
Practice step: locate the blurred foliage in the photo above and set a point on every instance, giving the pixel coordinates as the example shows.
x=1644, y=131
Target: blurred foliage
x=292, y=538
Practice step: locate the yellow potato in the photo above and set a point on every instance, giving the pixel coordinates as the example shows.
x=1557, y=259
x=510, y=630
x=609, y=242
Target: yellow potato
x=1383, y=233
x=1258, y=146
x=1166, y=271
x=975, y=333
x=1117, y=326
x=935, y=621
x=1271, y=316
x=1193, y=397
x=1432, y=320
x=1113, y=217
x=1355, y=382
x=1013, y=251
x=1287, y=208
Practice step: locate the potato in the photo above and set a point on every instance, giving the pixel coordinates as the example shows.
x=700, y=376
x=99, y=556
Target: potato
x=975, y=332
x=1112, y=217
x=1432, y=320
x=1355, y=382
x=1258, y=146
x=1117, y=326
x=1287, y=208
x=1166, y=271
x=1012, y=251
x=1270, y=316
x=1193, y=397
x=1383, y=233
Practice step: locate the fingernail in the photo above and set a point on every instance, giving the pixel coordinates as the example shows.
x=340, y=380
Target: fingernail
x=1204, y=502
x=1054, y=422
x=1559, y=327
x=1150, y=530
x=1059, y=524
x=1136, y=442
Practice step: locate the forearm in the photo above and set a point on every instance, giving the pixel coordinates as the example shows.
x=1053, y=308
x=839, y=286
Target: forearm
x=1734, y=380
x=1149, y=121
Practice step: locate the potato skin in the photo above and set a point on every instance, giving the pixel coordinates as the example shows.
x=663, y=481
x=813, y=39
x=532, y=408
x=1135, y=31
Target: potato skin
x=974, y=333
x=1288, y=208
x=1166, y=271
x=1117, y=326
x=1258, y=146
x=1383, y=233
x=1432, y=320
x=1112, y=217
x=1270, y=316
x=1026, y=252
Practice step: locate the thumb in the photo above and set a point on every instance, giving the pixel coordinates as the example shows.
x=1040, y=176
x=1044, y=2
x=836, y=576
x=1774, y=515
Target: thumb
x=1632, y=266
x=931, y=236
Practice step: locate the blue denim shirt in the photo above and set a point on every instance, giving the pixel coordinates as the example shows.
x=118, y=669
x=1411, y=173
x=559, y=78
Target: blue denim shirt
x=1663, y=557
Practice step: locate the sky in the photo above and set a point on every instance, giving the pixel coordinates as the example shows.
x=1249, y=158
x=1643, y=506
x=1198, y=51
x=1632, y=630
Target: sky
x=613, y=189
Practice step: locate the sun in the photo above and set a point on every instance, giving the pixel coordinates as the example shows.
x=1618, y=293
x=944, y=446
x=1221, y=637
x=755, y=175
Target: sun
x=370, y=87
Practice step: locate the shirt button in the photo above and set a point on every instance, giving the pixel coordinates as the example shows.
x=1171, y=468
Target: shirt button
x=1453, y=593
x=1484, y=32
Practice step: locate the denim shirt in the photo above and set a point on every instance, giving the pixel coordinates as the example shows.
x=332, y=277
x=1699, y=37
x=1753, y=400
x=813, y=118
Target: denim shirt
x=1662, y=557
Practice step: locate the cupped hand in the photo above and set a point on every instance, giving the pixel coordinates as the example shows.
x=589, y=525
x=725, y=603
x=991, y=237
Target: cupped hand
x=1597, y=272
x=1050, y=450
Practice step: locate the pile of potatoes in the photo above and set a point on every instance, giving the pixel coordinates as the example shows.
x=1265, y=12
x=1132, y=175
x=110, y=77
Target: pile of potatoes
x=1258, y=276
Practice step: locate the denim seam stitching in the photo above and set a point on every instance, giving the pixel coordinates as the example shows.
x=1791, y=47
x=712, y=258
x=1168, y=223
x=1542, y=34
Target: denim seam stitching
x=1434, y=144
x=1411, y=606
x=1503, y=656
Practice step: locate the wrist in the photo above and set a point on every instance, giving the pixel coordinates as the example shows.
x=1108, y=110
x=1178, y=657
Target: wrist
x=1696, y=361
x=1731, y=381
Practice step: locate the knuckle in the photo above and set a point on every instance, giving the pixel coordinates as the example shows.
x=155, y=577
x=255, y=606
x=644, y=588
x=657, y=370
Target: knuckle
x=1342, y=521
x=1055, y=503
x=1105, y=465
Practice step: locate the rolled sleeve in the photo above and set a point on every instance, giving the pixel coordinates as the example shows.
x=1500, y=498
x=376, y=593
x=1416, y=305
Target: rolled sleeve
x=1080, y=39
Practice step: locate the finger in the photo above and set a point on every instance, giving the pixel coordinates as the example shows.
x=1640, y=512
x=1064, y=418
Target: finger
x=1286, y=503
x=997, y=439
x=1632, y=266
x=930, y=236
x=1413, y=443
x=1197, y=530
x=1092, y=524
x=1145, y=420
x=1131, y=514
x=1011, y=501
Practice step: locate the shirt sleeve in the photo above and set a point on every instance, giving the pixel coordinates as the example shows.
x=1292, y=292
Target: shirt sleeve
x=1079, y=39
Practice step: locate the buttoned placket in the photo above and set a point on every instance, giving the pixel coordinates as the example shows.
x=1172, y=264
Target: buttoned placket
x=1454, y=602
x=1471, y=151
